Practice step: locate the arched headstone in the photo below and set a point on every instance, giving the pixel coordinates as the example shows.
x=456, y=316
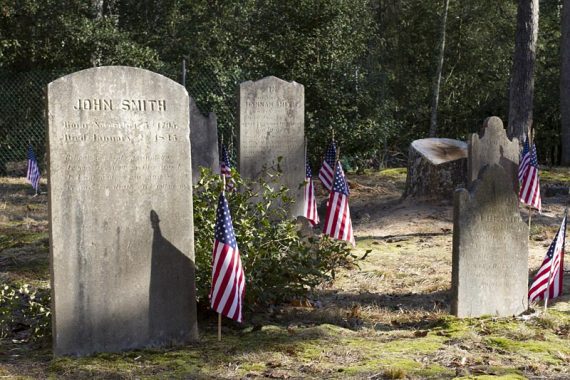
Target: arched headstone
x=120, y=206
x=272, y=125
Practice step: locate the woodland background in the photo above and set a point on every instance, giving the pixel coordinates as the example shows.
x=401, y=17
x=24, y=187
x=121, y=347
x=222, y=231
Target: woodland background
x=368, y=66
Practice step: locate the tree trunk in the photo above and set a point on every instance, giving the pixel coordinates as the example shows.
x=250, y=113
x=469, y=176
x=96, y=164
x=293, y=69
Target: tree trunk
x=565, y=82
x=436, y=167
x=97, y=10
x=437, y=79
x=521, y=90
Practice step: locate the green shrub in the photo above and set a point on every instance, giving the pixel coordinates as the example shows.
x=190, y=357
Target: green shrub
x=24, y=312
x=279, y=263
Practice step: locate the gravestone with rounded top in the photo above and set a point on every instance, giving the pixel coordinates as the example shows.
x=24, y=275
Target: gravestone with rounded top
x=492, y=146
x=120, y=205
x=490, y=248
x=204, y=139
x=272, y=132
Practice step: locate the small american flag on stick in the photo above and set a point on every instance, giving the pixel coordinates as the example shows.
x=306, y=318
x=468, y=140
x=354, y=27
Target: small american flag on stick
x=228, y=278
x=547, y=282
x=310, y=202
x=529, y=192
x=337, y=221
x=524, y=160
x=33, y=174
x=326, y=173
x=225, y=169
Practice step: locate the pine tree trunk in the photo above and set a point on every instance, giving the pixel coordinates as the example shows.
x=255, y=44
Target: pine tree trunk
x=97, y=10
x=522, y=75
x=437, y=79
x=565, y=83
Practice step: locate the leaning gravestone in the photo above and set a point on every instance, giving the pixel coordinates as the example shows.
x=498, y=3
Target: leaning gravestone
x=492, y=146
x=204, y=139
x=272, y=126
x=120, y=204
x=490, y=248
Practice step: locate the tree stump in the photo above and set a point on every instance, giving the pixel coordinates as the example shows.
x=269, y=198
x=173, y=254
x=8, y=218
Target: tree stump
x=436, y=166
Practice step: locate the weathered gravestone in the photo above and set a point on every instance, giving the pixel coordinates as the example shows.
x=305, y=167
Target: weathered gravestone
x=272, y=117
x=204, y=139
x=490, y=252
x=120, y=204
x=492, y=146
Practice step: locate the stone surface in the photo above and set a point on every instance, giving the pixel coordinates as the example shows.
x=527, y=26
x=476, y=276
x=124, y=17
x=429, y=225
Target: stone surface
x=204, y=139
x=490, y=248
x=492, y=146
x=120, y=205
x=272, y=126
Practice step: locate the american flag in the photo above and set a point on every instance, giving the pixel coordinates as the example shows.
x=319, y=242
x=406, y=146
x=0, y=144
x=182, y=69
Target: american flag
x=33, y=170
x=551, y=272
x=326, y=173
x=228, y=278
x=337, y=221
x=310, y=205
x=529, y=192
x=524, y=160
x=225, y=169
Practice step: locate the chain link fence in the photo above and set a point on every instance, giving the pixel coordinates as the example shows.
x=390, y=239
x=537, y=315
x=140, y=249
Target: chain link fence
x=23, y=105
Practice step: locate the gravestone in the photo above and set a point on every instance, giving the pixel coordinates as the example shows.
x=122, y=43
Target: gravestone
x=120, y=207
x=492, y=146
x=490, y=248
x=272, y=126
x=204, y=139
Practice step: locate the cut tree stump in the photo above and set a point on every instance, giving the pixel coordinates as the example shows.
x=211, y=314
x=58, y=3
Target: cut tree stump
x=436, y=166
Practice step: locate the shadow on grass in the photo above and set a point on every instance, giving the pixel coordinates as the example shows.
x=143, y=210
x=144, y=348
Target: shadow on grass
x=384, y=312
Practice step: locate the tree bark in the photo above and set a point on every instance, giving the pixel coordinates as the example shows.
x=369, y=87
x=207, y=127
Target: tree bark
x=437, y=79
x=565, y=83
x=97, y=10
x=521, y=90
x=436, y=168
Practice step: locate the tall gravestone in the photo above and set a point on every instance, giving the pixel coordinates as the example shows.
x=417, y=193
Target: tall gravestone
x=120, y=205
x=272, y=126
x=204, y=139
x=490, y=239
x=492, y=146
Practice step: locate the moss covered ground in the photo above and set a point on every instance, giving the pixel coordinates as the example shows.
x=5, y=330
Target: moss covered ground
x=388, y=318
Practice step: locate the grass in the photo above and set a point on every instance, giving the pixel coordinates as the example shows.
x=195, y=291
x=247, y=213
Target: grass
x=387, y=319
x=555, y=175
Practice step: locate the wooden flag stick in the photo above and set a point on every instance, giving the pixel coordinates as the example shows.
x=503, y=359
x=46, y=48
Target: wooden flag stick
x=529, y=218
x=332, y=132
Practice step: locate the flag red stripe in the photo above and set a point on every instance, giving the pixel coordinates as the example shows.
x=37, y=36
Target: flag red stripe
x=220, y=256
x=549, y=276
x=227, y=279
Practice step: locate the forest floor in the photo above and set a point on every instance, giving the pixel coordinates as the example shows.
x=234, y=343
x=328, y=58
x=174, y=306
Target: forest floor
x=388, y=318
